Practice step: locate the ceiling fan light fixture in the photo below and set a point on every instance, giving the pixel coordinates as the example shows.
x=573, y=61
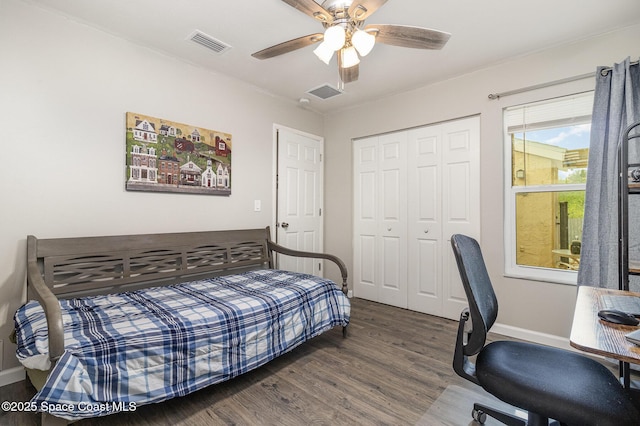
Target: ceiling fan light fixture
x=324, y=52
x=346, y=34
x=349, y=57
x=335, y=37
x=363, y=42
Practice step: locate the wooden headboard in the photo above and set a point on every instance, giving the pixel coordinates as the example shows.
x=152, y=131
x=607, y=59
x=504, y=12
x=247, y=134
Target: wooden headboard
x=94, y=265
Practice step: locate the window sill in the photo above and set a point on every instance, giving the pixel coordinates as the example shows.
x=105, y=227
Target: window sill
x=545, y=275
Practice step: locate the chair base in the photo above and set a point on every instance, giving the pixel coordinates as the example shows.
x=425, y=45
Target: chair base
x=480, y=413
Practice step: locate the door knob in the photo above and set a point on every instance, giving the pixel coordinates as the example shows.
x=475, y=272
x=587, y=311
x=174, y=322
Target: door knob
x=285, y=225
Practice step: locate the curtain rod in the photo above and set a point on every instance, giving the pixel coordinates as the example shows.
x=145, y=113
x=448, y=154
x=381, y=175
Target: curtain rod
x=604, y=72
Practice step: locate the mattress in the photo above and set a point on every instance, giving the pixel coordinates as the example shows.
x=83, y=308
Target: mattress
x=128, y=349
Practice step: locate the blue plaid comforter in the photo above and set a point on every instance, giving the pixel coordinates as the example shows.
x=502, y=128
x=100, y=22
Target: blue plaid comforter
x=128, y=349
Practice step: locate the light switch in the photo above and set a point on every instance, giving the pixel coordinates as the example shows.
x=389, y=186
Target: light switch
x=257, y=205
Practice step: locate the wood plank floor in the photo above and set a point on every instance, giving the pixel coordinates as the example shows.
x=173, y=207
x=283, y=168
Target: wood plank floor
x=389, y=370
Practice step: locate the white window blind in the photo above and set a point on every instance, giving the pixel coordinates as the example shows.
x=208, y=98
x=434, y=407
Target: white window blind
x=575, y=109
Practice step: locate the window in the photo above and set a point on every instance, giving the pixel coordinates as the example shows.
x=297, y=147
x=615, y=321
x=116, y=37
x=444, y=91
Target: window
x=546, y=152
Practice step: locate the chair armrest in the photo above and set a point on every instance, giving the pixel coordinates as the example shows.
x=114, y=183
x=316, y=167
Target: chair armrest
x=461, y=364
x=297, y=253
x=51, y=307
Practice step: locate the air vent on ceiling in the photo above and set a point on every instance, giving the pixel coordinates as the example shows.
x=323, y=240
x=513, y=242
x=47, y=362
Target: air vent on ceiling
x=209, y=42
x=324, y=92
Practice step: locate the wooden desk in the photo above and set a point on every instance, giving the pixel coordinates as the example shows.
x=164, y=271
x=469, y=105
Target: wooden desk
x=590, y=334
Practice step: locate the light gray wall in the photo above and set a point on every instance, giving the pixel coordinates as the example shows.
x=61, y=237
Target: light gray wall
x=64, y=91
x=530, y=305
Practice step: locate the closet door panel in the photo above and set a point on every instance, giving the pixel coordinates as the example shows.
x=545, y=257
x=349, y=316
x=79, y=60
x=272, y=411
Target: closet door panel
x=462, y=187
x=426, y=269
x=424, y=220
x=427, y=196
x=392, y=260
x=390, y=183
x=365, y=221
x=458, y=196
x=365, y=267
x=461, y=202
x=391, y=252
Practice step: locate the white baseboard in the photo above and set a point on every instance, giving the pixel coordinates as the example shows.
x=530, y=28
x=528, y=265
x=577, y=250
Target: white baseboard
x=12, y=375
x=532, y=336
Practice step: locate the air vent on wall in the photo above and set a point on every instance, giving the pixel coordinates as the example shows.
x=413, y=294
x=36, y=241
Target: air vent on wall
x=209, y=42
x=324, y=92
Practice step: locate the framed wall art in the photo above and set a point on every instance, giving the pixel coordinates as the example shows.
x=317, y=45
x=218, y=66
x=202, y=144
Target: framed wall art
x=166, y=156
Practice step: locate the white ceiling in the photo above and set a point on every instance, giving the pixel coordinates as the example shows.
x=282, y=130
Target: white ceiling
x=483, y=32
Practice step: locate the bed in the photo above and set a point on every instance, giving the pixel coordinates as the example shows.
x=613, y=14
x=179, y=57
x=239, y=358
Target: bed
x=118, y=322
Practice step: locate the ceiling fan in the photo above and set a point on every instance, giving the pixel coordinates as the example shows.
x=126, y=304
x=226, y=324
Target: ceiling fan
x=346, y=34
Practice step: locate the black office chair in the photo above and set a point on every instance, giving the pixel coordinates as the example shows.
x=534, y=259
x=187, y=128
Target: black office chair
x=548, y=383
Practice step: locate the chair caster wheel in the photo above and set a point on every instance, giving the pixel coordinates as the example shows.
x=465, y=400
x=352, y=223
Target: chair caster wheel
x=479, y=416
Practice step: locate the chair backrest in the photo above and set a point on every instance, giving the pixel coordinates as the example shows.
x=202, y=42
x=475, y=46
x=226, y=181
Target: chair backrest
x=483, y=305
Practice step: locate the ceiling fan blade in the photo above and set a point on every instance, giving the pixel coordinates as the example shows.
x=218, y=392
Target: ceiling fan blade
x=311, y=8
x=407, y=36
x=362, y=9
x=288, y=46
x=348, y=75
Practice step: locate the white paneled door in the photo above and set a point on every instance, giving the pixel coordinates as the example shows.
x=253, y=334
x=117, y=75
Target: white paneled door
x=424, y=165
x=392, y=231
x=366, y=216
x=460, y=202
x=413, y=189
x=380, y=211
x=299, y=198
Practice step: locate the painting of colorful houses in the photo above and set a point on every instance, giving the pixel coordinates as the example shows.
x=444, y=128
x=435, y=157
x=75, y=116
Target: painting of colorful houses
x=165, y=156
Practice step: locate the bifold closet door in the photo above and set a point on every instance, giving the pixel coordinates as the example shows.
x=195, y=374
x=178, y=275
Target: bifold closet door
x=413, y=189
x=380, y=247
x=365, y=218
x=425, y=220
x=443, y=196
x=392, y=226
x=460, y=202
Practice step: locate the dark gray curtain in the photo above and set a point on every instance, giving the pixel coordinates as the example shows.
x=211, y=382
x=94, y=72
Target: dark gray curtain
x=616, y=106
